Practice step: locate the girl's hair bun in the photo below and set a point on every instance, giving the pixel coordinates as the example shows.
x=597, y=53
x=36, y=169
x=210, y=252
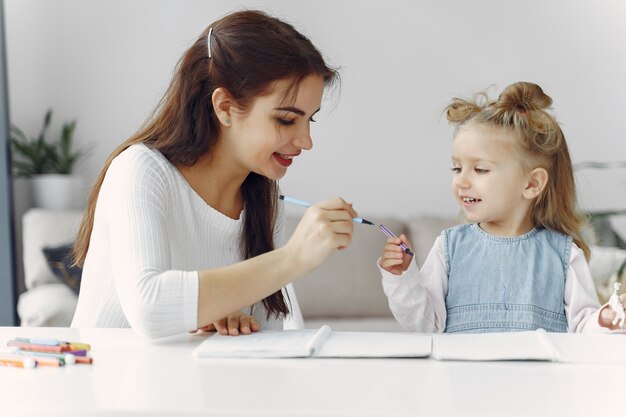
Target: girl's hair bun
x=523, y=97
x=459, y=110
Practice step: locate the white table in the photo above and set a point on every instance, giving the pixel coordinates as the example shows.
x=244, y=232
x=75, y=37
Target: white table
x=132, y=377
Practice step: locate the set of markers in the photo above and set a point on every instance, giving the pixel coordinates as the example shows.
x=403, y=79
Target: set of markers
x=32, y=352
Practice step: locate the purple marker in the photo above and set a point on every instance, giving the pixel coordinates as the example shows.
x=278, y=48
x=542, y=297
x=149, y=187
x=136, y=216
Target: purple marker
x=390, y=234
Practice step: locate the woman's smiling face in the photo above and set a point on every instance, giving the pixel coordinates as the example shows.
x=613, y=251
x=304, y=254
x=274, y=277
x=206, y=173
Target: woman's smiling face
x=272, y=131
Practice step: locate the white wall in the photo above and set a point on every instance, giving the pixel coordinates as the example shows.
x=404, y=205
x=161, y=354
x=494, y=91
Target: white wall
x=381, y=142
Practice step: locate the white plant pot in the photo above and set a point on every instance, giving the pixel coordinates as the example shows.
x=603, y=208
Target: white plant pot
x=57, y=191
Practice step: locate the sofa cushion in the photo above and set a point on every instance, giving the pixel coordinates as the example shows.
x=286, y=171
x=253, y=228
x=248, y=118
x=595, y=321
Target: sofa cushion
x=45, y=228
x=604, y=265
x=61, y=263
x=370, y=324
x=423, y=230
x=348, y=283
x=47, y=305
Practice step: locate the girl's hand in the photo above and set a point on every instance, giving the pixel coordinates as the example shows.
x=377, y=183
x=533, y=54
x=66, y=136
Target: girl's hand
x=607, y=315
x=325, y=226
x=234, y=324
x=394, y=259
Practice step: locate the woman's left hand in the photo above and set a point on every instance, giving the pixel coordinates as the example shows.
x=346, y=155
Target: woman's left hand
x=233, y=325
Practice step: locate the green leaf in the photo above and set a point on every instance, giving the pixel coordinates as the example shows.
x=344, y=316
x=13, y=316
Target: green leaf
x=46, y=123
x=18, y=135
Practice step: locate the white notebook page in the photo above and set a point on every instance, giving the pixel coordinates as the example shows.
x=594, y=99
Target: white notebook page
x=590, y=348
x=531, y=345
x=376, y=345
x=264, y=344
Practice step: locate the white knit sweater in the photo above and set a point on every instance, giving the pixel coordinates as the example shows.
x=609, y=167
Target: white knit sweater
x=152, y=234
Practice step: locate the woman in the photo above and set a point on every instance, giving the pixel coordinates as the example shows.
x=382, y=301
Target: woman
x=183, y=226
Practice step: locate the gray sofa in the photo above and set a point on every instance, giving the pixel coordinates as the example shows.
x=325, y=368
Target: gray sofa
x=344, y=292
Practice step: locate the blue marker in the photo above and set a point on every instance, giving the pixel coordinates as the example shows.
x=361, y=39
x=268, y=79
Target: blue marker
x=304, y=203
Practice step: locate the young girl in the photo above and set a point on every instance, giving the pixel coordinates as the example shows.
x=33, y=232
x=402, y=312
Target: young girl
x=183, y=228
x=520, y=263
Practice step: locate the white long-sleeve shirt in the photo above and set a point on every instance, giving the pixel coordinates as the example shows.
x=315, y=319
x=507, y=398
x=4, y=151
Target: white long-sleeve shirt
x=151, y=235
x=417, y=298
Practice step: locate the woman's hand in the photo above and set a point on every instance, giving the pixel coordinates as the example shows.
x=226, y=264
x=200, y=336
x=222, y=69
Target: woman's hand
x=325, y=227
x=394, y=259
x=233, y=325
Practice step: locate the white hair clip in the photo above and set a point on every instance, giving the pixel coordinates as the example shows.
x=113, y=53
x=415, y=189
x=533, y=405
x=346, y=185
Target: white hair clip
x=208, y=41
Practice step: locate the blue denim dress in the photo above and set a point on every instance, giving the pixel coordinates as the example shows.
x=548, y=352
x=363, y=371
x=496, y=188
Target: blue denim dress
x=502, y=284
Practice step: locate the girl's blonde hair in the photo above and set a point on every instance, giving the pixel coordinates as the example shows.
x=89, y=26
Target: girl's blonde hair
x=522, y=107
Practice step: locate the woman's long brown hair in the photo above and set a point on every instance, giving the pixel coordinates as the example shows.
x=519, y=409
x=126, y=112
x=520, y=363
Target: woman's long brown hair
x=249, y=51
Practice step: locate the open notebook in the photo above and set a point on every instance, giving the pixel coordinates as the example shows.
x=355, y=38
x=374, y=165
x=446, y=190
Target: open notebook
x=325, y=343
x=322, y=342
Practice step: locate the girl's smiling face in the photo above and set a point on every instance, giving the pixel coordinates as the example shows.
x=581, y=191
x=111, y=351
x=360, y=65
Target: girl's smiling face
x=489, y=178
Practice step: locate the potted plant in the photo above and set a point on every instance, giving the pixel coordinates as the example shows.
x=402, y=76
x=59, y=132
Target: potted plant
x=49, y=165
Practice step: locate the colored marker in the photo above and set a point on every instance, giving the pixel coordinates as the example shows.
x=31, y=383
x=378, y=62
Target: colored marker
x=63, y=358
x=390, y=234
x=69, y=358
x=304, y=203
x=16, y=361
x=45, y=361
x=53, y=342
x=38, y=348
x=87, y=360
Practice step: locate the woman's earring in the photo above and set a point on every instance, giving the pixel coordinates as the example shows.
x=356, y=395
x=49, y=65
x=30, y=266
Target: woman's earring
x=227, y=121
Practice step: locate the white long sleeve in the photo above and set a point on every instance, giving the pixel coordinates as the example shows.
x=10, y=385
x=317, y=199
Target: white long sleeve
x=152, y=234
x=417, y=297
